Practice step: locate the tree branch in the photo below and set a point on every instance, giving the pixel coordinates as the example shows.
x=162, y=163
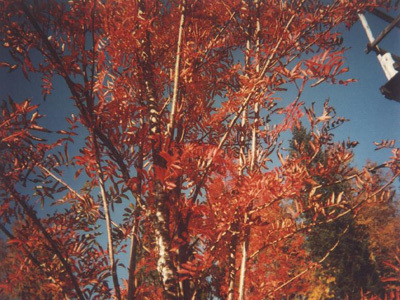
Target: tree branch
x=100, y=178
x=33, y=259
x=53, y=246
x=170, y=126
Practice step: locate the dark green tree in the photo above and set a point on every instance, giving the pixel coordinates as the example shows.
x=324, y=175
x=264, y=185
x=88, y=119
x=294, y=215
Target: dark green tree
x=349, y=264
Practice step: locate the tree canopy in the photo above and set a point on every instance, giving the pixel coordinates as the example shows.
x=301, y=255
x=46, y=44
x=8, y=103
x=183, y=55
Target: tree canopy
x=181, y=186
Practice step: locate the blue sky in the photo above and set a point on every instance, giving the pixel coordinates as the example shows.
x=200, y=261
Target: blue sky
x=372, y=116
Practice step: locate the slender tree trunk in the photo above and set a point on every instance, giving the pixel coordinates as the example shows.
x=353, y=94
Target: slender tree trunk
x=165, y=265
x=246, y=238
x=183, y=256
x=232, y=258
x=245, y=247
x=132, y=281
x=241, y=168
x=100, y=177
x=133, y=260
x=170, y=128
x=161, y=219
x=184, y=286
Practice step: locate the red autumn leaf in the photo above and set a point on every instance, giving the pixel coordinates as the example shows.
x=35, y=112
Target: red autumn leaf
x=180, y=122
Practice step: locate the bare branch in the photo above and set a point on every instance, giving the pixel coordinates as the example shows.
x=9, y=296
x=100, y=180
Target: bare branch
x=100, y=178
x=170, y=127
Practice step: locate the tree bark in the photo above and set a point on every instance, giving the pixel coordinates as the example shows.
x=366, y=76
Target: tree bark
x=246, y=238
x=110, y=243
x=170, y=128
x=134, y=233
x=165, y=265
x=161, y=219
x=232, y=258
x=133, y=261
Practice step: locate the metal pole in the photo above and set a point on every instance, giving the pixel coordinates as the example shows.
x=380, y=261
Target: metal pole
x=385, y=60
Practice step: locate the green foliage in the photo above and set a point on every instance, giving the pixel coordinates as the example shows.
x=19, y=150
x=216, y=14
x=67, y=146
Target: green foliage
x=350, y=262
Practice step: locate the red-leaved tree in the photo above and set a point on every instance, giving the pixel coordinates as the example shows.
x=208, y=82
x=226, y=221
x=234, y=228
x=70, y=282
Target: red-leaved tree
x=180, y=174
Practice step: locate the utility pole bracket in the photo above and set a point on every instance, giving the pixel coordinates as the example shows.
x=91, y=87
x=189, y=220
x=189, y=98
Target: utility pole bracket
x=388, y=62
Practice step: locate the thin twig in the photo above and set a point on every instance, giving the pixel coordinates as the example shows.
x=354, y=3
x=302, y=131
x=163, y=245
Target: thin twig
x=170, y=127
